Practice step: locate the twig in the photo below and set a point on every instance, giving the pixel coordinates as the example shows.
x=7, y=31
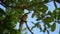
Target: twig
x=28, y=27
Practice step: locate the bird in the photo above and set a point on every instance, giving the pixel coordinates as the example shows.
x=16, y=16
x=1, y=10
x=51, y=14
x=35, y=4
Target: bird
x=22, y=20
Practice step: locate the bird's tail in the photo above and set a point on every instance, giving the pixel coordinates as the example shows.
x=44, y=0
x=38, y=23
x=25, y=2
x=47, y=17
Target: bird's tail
x=20, y=29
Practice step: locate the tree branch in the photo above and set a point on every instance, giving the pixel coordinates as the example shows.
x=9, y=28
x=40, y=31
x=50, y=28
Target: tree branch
x=24, y=6
x=28, y=27
x=21, y=7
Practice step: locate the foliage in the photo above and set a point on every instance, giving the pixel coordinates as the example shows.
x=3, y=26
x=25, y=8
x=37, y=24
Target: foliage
x=15, y=10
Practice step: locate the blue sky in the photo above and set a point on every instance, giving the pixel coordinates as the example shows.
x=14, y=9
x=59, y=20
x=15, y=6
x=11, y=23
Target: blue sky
x=35, y=30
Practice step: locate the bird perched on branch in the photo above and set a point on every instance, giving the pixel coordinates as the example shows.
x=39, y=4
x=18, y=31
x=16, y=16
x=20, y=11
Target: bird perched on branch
x=23, y=19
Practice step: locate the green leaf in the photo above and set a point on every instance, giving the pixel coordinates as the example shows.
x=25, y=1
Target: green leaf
x=38, y=26
x=24, y=29
x=56, y=12
x=49, y=13
x=38, y=18
x=25, y=32
x=47, y=31
x=2, y=28
x=33, y=15
x=48, y=25
x=53, y=27
x=2, y=11
x=42, y=8
x=48, y=20
x=8, y=23
x=13, y=32
x=55, y=4
x=44, y=30
x=33, y=27
x=30, y=8
x=2, y=14
x=36, y=1
x=2, y=17
x=46, y=1
x=57, y=1
x=59, y=31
